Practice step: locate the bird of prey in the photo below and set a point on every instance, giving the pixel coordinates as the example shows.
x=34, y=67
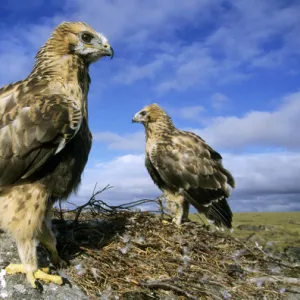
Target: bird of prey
x=185, y=168
x=45, y=141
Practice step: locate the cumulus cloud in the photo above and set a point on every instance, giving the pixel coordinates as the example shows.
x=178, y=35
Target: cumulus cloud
x=134, y=141
x=267, y=181
x=133, y=73
x=191, y=112
x=146, y=38
x=262, y=34
x=257, y=128
x=148, y=45
x=118, y=20
x=126, y=173
x=219, y=100
x=138, y=21
x=19, y=44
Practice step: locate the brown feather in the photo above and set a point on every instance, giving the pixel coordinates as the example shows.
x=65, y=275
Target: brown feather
x=181, y=163
x=44, y=139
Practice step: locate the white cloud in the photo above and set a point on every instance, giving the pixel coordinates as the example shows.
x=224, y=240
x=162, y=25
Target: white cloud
x=136, y=20
x=133, y=73
x=261, y=35
x=228, y=52
x=257, y=128
x=231, y=51
x=191, y=112
x=249, y=27
x=265, y=173
x=268, y=181
x=219, y=100
x=126, y=173
x=134, y=141
x=19, y=45
x=17, y=66
x=187, y=69
x=132, y=27
x=260, y=129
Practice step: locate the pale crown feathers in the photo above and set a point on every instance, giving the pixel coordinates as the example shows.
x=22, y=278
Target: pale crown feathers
x=79, y=38
x=182, y=164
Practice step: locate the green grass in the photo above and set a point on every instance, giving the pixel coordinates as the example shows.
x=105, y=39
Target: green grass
x=283, y=228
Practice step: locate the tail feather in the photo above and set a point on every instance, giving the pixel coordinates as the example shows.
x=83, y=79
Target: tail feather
x=230, y=179
x=220, y=212
x=213, y=204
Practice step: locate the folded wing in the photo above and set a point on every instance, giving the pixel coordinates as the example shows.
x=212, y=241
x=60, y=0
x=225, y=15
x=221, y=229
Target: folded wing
x=187, y=164
x=33, y=130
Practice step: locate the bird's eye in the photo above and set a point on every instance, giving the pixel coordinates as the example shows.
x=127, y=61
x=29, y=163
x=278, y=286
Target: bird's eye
x=143, y=113
x=86, y=37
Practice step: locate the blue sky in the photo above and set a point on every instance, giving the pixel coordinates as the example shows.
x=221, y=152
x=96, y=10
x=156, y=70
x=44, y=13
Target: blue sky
x=228, y=70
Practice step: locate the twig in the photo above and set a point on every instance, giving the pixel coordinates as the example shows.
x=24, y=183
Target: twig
x=276, y=259
x=97, y=206
x=168, y=287
x=288, y=280
x=199, y=217
x=80, y=208
x=61, y=215
x=292, y=291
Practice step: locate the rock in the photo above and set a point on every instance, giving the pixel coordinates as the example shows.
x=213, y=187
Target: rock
x=293, y=253
x=295, y=295
x=137, y=295
x=255, y=227
x=255, y=238
x=15, y=287
x=235, y=271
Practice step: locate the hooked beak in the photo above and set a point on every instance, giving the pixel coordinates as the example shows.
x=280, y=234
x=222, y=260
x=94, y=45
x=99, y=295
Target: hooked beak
x=135, y=119
x=108, y=50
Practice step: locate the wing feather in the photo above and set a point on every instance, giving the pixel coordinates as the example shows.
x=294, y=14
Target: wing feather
x=31, y=131
x=187, y=164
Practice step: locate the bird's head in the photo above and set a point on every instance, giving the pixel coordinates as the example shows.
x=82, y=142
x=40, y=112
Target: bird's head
x=149, y=114
x=81, y=39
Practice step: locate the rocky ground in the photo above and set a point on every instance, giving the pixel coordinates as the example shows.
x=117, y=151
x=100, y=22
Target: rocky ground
x=132, y=255
x=15, y=287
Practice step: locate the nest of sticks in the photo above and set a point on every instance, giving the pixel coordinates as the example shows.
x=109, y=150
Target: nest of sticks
x=120, y=253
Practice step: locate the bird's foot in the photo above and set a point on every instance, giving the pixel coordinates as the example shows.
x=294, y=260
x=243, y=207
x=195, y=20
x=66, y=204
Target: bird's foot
x=38, y=274
x=19, y=268
x=177, y=221
x=188, y=222
x=166, y=222
x=32, y=277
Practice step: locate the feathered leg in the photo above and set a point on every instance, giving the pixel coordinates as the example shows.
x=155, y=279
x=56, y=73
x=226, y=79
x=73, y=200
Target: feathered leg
x=178, y=207
x=24, y=209
x=182, y=211
x=186, y=210
x=48, y=240
x=27, y=253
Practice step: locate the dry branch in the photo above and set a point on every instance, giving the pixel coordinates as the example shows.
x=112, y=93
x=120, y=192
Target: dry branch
x=168, y=287
x=120, y=251
x=287, y=280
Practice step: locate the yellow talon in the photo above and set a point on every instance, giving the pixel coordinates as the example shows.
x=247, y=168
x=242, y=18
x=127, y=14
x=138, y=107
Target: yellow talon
x=165, y=222
x=18, y=268
x=41, y=274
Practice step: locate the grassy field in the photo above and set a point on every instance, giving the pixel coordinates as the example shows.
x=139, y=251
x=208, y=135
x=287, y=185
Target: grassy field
x=278, y=230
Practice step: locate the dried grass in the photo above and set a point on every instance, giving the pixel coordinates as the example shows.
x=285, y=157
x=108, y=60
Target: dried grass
x=122, y=254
